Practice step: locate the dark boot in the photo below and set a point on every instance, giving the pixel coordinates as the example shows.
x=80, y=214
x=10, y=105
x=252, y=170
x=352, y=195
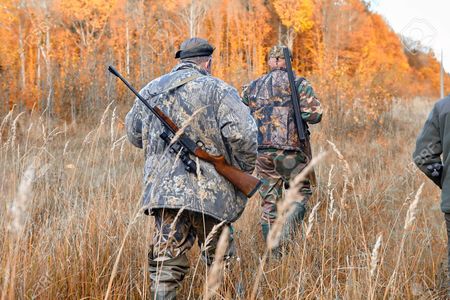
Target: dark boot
x=265, y=230
x=163, y=295
x=293, y=223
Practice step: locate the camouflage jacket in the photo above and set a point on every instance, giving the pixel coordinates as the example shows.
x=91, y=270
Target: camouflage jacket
x=269, y=100
x=210, y=111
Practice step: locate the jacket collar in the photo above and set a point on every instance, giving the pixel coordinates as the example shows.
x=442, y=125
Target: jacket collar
x=189, y=65
x=278, y=69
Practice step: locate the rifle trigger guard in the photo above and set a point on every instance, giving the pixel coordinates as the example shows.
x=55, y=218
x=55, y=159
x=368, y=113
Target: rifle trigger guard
x=201, y=144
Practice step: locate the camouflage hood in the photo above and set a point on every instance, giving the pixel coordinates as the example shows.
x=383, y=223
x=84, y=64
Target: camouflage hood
x=211, y=112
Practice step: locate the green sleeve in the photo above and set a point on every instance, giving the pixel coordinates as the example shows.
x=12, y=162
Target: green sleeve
x=429, y=146
x=309, y=104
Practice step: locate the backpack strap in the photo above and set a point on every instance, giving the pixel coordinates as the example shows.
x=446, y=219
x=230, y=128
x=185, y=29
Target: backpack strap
x=176, y=85
x=299, y=82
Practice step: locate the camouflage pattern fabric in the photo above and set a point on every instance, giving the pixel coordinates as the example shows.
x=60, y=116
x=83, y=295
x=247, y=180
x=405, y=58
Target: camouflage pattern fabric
x=278, y=52
x=210, y=111
x=173, y=237
x=275, y=168
x=270, y=102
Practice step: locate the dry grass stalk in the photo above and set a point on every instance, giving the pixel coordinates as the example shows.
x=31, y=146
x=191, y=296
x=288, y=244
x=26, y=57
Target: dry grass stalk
x=216, y=271
x=211, y=235
x=119, y=255
x=412, y=210
x=374, y=258
x=18, y=216
x=4, y=121
x=13, y=132
x=19, y=208
x=340, y=156
x=311, y=218
x=346, y=174
x=113, y=124
x=104, y=115
x=409, y=221
x=173, y=226
x=331, y=208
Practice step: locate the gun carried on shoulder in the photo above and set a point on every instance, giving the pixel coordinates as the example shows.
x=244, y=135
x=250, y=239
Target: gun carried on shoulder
x=299, y=123
x=302, y=129
x=244, y=182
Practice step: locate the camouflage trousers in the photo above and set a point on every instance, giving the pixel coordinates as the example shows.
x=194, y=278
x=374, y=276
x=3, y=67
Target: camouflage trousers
x=447, y=223
x=172, y=238
x=275, y=168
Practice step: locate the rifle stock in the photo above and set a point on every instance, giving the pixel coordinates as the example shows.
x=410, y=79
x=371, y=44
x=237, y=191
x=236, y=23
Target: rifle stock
x=244, y=182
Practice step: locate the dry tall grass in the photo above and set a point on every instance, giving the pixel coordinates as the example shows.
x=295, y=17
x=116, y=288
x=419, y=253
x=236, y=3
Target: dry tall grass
x=71, y=225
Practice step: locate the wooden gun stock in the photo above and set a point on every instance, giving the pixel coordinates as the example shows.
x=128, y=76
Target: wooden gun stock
x=244, y=182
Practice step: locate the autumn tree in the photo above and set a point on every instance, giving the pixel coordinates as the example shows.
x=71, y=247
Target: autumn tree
x=296, y=16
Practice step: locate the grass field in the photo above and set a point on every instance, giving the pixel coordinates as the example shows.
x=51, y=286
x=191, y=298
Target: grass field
x=71, y=225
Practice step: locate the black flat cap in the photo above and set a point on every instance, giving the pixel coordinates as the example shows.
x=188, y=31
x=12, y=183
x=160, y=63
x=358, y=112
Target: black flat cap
x=194, y=47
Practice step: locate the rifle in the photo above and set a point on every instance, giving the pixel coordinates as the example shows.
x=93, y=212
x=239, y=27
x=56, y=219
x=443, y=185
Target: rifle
x=299, y=123
x=244, y=182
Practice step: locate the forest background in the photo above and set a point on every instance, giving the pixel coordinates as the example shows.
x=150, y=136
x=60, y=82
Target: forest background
x=54, y=53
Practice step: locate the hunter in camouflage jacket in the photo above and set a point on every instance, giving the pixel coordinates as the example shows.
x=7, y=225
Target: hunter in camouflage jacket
x=281, y=155
x=269, y=98
x=210, y=111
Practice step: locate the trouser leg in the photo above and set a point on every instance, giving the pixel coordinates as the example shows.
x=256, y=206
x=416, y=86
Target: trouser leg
x=168, y=263
x=271, y=193
x=275, y=169
x=208, y=240
x=203, y=227
x=447, y=223
x=294, y=222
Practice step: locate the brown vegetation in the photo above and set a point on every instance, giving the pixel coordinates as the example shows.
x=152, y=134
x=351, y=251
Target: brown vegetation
x=70, y=212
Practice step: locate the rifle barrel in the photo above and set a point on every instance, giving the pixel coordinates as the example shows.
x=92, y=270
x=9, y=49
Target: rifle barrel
x=294, y=96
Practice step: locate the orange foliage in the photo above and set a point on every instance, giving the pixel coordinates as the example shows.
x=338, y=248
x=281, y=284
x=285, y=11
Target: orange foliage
x=54, y=54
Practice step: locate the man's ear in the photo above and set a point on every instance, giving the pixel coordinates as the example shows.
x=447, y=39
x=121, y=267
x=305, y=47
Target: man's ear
x=208, y=65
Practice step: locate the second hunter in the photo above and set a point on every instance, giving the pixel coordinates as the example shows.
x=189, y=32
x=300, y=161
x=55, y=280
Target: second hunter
x=281, y=154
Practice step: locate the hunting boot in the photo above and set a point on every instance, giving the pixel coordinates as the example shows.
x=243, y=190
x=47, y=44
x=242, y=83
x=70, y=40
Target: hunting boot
x=292, y=225
x=265, y=230
x=276, y=252
x=163, y=295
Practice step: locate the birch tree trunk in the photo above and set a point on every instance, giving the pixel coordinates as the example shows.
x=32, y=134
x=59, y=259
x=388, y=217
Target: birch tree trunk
x=22, y=56
x=290, y=37
x=38, y=74
x=48, y=69
x=127, y=50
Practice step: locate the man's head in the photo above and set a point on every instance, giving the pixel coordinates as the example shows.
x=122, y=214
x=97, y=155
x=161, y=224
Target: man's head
x=276, y=57
x=197, y=51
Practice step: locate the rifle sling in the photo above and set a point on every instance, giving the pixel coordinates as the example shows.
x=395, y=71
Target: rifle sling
x=176, y=85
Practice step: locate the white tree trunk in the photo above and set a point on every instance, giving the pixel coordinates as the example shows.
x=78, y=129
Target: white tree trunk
x=48, y=69
x=38, y=73
x=191, y=19
x=127, y=58
x=290, y=37
x=442, y=74
x=22, y=57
